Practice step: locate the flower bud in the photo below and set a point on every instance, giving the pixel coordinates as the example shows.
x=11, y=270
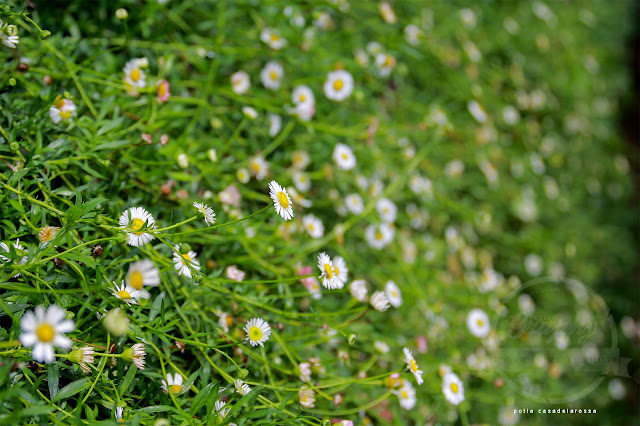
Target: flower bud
x=122, y=13
x=116, y=322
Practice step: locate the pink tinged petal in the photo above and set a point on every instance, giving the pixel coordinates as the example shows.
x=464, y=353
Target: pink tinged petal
x=28, y=339
x=66, y=326
x=62, y=341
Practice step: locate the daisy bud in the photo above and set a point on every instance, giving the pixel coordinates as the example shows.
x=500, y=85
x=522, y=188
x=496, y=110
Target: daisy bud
x=14, y=146
x=352, y=339
x=47, y=80
x=337, y=400
x=83, y=357
x=135, y=355
x=213, y=156
x=116, y=322
x=216, y=123
x=147, y=138
x=164, y=139
x=243, y=373
x=122, y=13
x=197, y=277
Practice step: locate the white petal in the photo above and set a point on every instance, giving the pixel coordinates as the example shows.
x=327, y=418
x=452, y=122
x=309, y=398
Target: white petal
x=28, y=339
x=66, y=326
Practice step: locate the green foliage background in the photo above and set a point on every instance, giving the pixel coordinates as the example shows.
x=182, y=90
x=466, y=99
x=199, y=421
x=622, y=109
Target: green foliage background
x=81, y=176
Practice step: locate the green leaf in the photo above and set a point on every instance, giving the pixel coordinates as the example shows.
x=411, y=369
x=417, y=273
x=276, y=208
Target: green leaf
x=128, y=378
x=157, y=409
x=201, y=398
x=72, y=389
x=53, y=378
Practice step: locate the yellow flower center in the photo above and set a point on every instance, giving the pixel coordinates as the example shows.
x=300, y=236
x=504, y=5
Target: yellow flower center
x=136, y=280
x=124, y=294
x=255, y=167
x=345, y=156
x=45, y=234
x=162, y=90
x=389, y=61
x=413, y=366
x=65, y=114
x=137, y=224
x=404, y=394
x=283, y=200
x=274, y=37
x=338, y=84
x=229, y=320
x=479, y=323
x=310, y=226
x=454, y=388
x=255, y=333
x=336, y=270
x=135, y=75
x=175, y=388
x=303, y=397
x=327, y=270
x=378, y=235
x=59, y=103
x=302, y=98
x=185, y=258
x=45, y=332
x=273, y=75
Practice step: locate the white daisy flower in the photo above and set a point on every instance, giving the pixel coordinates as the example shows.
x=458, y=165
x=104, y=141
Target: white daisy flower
x=561, y=339
x=271, y=75
x=385, y=64
x=478, y=323
x=476, y=110
x=381, y=346
x=338, y=86
x=19, y=250
x=302, y=95
x=136, y=218
x=509, y=416
x=9, y=35
x=209, y=214
x=354, y=203
x=47, y=234
x=240, y=82
x=313, y=225
x=328, y=275
x=134, y=77
x=126, y=293
x=299, y=198
x=62, y=110
x=306, y=397
x=222, y=409
x=138, y=354
x=173, y=384
x=412, y=34
x=393, y=294
x=301, y=181
x=119, y=411
x=343, y=157
x=45, y=329
x=387, y=210
x=300, y=159
x=273, y=39
x=407, y=396
x=281, y=200
x=412, y=366
x=379, y=236
x=305, y=371
x=249, y=112
x=183, y=262
x=452, y=388
x=142, y=273
x=258, y=331
x=241, y=387
x=533, y=264
x=379, y=301
x=340, y=270
x=468, y=17
x=275, y=124
x=358, y=289
x=387, y=13
x=224, y=320
x=259, y=167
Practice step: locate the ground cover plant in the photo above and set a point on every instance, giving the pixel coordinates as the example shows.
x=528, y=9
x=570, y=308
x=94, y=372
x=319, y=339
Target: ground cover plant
x=314, y=213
